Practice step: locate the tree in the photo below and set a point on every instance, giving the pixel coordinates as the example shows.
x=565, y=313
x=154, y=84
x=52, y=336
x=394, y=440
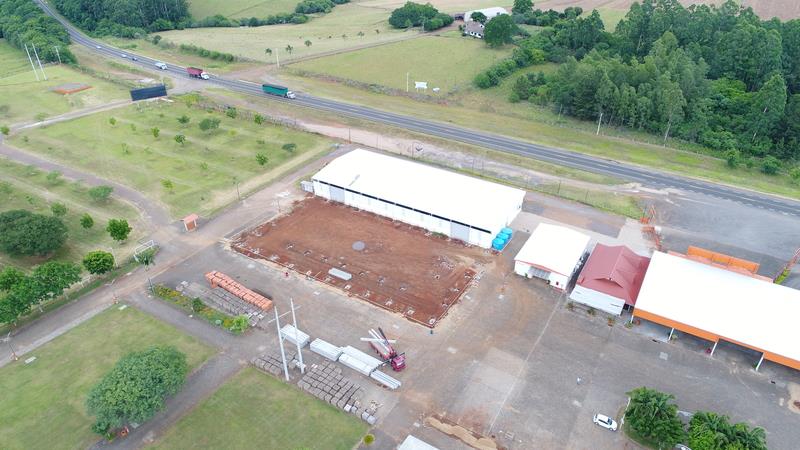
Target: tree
x=522, y=6
x=5, y=130
x=268, y=51
x=261, y=159
x=289, y=147
x=10, y=276
x=53, y=177
x=135, y=389
x=118, y=229
x=112, y=121
x=58, y=209
x=712, y=431
x=478, y=16
x=146, y=257
x=168, y=184
x=499, y=30
x=289, y=49
x=98, y=262
x=53, y=277
x=651, y=415
x=184, y=119
x=155, y=131
x=209, y=123
x=231, y=112
x=770, y=165
x=180, y=138
x=360, y=34
x=258, y=119
x=100, y=193
x=87, y=221
x=307, y=43
x=23, y=233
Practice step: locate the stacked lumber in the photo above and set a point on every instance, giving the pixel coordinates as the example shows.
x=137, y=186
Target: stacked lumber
x=219, y=279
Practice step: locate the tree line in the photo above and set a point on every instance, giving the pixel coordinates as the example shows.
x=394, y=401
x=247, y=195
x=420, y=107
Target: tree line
x=414, y=15
x=150, y=15
x=23, y=23
x=715, y=75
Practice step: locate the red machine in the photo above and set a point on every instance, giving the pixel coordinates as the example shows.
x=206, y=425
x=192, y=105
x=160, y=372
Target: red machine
x=383, y=346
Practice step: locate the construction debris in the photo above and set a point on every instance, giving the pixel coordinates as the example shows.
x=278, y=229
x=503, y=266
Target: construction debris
x=219, y=279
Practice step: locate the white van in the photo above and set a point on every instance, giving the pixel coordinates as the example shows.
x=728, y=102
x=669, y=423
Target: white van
x=161, y=66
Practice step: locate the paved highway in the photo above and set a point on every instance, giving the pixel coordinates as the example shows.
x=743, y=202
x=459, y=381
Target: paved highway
x=567, y=158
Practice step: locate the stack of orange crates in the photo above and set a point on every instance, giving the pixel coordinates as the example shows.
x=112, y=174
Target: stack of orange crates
x=219, y=279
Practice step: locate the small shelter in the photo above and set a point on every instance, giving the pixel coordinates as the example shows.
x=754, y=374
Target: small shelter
x=552, y=253
x=190, y=222
x=611, y=279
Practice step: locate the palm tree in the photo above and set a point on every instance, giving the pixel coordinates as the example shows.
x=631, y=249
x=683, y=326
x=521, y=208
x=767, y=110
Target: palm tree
x=289, y=49
x=268, y=51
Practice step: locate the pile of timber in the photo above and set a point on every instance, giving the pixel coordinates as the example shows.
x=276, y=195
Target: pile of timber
x=219, y=279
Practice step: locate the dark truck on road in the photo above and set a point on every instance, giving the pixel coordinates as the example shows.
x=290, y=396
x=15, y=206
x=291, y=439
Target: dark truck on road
x=280, y=91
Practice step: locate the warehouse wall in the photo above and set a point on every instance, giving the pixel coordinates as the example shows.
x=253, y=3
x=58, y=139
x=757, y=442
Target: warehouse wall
x=597, y=300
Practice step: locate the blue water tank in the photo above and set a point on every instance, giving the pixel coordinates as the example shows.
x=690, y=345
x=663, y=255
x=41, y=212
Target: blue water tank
x=507, y=231
x=498, y=244
x=504, y=236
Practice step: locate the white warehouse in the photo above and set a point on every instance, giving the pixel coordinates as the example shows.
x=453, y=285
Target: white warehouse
x=461, y=207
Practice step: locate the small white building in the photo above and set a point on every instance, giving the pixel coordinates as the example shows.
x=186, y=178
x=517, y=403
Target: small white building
x=413, y=443
x=552, y=253
x=474, y=29
x=458, y=206
x=490, y=13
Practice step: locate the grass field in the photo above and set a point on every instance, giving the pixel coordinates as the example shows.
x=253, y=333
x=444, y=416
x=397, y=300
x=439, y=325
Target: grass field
x=174, y=55
x=43, y=403
x=449, y=63
x=24, y=99
x=489, y=110
x=254, y=410
x=24, y=187
x=324, y=33
x=204, y=172
x=240, y=8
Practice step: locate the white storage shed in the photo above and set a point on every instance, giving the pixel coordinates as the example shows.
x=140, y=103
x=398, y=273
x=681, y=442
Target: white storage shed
x=490, y=13
x=461, y=207
x=552, y=253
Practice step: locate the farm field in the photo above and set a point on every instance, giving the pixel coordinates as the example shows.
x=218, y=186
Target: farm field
x=23, y=99
x=200, y=9
x=198, y=176
x=449, y=63
x=24, y=187
x=544, y=126
x=324, y=33
x=43, y=403
x=256, y=410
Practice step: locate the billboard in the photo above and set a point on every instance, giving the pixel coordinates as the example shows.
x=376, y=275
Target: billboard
x=149, y=92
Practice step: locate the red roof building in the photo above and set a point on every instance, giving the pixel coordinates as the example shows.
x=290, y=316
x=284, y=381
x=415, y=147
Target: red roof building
x=610, y=279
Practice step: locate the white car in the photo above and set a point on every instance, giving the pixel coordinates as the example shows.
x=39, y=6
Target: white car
x=123, y=55
x=98, y=47
x=606, y=422
x=161, y=65
x=681, y=447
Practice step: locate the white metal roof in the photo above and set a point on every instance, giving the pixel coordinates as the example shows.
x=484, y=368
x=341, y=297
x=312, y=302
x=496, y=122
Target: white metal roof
x=412, y=443
x=733, y=306
x=471, y=201
x=494, y=11
x=554, y=248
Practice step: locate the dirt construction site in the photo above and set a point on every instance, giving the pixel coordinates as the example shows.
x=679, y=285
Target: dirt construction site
x=389, y=263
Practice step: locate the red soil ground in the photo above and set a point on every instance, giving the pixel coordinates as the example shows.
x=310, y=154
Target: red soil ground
x=401, y=268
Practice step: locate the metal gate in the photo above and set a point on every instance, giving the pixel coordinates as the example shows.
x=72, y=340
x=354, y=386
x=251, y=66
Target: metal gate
x=337, y=194
x=459, y=231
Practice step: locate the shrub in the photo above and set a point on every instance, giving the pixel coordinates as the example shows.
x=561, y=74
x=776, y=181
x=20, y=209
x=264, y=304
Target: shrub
x=770, y=165
x=100, y=193
x=733, y=158
x=5, y=130
x=197, y=305
x=98, y=262
x=231, y=112
x=290, y=147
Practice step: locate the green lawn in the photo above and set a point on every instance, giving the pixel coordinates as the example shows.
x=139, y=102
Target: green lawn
x=23, y=99
x=43, y=403
x=324, y=33
x=254, y=410
x=449, y=63
x=240, y=8
x=174, y=55
x=25, y=187
x=204, y=172
x=611, y=17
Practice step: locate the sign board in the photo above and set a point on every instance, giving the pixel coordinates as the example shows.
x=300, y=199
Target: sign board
x=149, y=92
x=420, y=85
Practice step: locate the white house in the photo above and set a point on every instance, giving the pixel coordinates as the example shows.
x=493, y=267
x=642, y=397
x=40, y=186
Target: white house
x=490, y=13
x=552, y=253
x=474, y=29
x=461, y=207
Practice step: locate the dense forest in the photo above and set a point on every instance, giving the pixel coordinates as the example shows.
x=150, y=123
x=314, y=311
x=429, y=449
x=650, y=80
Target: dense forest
x=718, y=76
x=22, y=22
x=113, y=16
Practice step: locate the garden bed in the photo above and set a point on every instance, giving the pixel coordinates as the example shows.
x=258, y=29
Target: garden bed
x=236, y=325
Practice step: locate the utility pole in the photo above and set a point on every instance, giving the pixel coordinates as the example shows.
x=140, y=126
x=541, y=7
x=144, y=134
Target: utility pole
x=280, y=344
x=57, y=54
x=277, y=59
x=297, y=342
x=31, y=60
x=13, y=353
x=407, y=75
x=39, y=61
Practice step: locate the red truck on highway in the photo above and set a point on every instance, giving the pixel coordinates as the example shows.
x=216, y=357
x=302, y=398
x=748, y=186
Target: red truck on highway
x=197, y=73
